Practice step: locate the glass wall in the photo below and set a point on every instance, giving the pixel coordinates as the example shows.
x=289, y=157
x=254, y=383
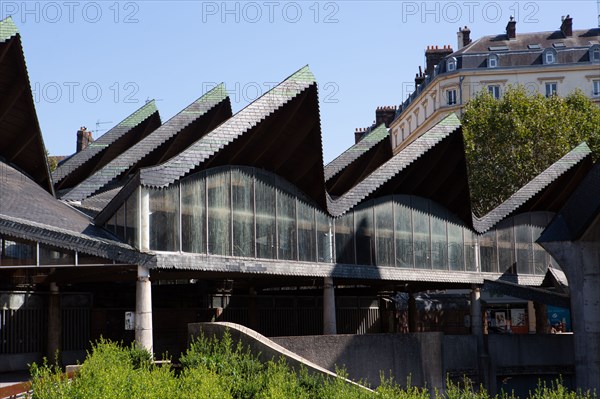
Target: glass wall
x=248, y=212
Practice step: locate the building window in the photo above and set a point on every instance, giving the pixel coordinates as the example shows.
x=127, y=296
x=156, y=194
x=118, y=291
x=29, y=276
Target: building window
x=451, y=64
x=595, y=53
x=494, y=91
x=551, y=89
x=492, y=61
x=596, y=88
x=451, y=97
x=549, y=57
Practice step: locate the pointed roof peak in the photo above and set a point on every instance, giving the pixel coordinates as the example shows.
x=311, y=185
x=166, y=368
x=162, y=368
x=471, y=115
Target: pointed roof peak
x=8, y=29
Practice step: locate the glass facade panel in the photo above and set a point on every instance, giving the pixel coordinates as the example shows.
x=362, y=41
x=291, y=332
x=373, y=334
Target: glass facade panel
x=523, y=244
x=439, y=237
x=17, y=252
x=193, y=214
x=307, y=240
x=132, y=207
x=506, y=249
x=422, y=236
x=384, y=225
x=456, y=247
x=286, y=226
x=541, y=258
x=365, y=237
x=164, y=219
x=56, y=256
x=488, y=252
x=111, y=224
x=470, y=247
x=324, y=237
x=242, y=195
x=265, y=217
x=219, y=212
x=404, y=232
x=344, y=238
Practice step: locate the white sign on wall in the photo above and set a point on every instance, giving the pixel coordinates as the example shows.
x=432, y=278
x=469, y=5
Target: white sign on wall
x=129, y=321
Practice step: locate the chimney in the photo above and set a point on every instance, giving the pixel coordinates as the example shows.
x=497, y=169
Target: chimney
x=511, y=28
x=385, y=115
x=464, y=37
x=434, y=55
x=566, y=27
x=419, y=78
x=84, y=138
x=358, y=134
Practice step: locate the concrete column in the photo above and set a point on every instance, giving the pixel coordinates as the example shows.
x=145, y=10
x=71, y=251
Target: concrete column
x=580, y=260
x=144, y=220
x=143, y=309
x=329, y=322
x=541, y=318
x=54, y=325
x=413, y=313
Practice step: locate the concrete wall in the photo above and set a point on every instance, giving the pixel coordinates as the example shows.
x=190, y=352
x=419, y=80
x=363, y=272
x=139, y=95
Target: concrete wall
x=418, y=356
x=531, y=350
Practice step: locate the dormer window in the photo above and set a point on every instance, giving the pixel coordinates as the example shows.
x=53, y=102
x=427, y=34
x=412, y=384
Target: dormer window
x=492, y=61
x=549, y=56
x=595, y=53
x=451, y=64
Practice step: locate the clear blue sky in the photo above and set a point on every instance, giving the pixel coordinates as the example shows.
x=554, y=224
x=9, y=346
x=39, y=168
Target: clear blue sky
x=99, y=61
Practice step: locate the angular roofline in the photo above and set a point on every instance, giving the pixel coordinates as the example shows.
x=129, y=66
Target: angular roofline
x=9, y=31
x=399, y=162
x=78, y=159
x=211, y=143
x=580, y=210
x=374, y=137
x=529, y=190
x=133, y=155
x=70, y=240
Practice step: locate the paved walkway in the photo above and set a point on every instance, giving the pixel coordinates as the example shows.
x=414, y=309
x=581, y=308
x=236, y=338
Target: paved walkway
x=13, y=378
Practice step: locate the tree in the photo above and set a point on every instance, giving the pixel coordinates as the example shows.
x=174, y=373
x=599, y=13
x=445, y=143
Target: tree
x=511, y=140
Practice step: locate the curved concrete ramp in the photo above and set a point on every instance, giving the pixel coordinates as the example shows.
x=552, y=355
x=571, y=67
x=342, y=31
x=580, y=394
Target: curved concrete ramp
x=259, y=345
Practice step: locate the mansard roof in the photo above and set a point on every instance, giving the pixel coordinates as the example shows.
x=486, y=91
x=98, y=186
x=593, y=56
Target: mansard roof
x=432, y=166
x=22, y=144
x=166, y=141
x=279, y=132
x=107, y=147
x=358, y=161
x=546, y=192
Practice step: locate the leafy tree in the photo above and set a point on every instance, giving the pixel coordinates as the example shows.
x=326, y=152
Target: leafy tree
x=511, y=140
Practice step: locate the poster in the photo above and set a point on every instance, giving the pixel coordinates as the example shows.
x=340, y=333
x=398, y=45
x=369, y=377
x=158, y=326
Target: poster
x=500, y=319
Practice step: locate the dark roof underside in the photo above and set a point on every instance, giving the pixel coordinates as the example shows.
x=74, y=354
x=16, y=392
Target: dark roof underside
x=165, y=142
x=356, y=163
x=22, y=144
x=279, y=132
x=107, y=147
x=433, y=166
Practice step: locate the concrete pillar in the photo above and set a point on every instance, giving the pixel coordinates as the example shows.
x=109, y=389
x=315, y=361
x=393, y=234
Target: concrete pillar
x=413, y=313
x=54, y=325
x=541, y=318
x=580, y=260
x=143, y=309
x=329, y=322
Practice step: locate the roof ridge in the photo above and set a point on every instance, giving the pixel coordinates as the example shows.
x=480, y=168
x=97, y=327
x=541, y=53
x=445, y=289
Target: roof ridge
x=406, y=157
x=8, y=29
x=130, y=122
x=538, y=183
x=120, y=164
x=228, y=131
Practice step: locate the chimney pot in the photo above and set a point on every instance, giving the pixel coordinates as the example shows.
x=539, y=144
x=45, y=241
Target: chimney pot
x=566, y=27
x=511, y=28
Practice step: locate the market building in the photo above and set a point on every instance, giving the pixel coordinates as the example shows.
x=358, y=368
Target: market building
x=219, y=216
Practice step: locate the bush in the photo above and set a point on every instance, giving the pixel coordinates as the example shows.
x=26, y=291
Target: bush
x=220, y=369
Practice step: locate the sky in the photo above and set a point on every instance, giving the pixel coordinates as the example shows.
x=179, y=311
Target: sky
x=92, y=63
